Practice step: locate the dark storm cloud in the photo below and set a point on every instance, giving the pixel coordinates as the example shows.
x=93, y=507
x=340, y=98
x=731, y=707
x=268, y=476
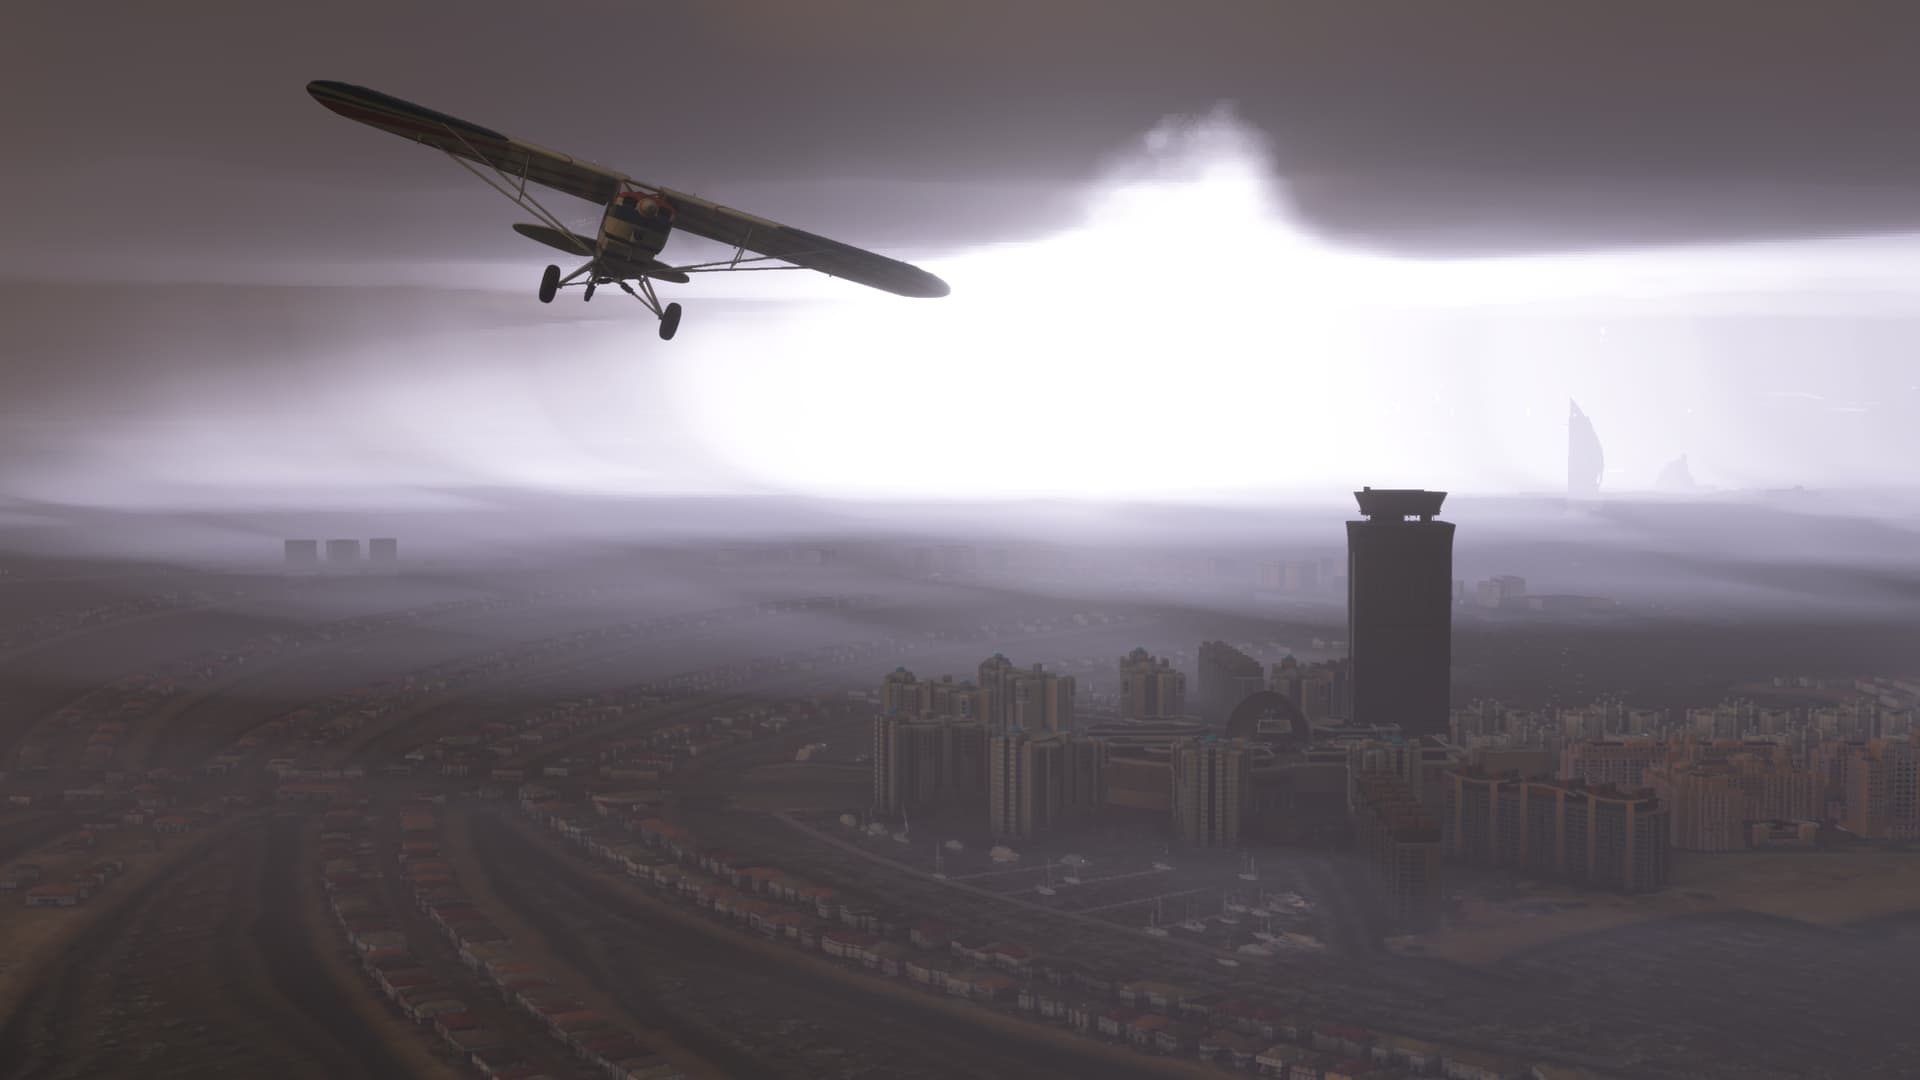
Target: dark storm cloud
x=1464, y=125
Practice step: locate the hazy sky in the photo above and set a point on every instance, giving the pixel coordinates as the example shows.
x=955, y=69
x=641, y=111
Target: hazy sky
x=1213, y=246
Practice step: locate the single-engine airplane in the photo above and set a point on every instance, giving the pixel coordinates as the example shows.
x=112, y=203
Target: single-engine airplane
x=636, y=218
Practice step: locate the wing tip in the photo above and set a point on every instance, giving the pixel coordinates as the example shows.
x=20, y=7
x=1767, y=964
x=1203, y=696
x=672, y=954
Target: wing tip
x=925, y=286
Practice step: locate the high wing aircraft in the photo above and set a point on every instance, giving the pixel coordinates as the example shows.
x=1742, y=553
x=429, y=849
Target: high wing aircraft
x=636, y=218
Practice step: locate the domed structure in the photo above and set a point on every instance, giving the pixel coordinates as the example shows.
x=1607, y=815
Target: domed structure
x=1265, y=708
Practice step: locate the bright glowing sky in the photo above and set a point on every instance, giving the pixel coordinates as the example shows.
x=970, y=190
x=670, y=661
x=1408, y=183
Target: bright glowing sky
x=1188, y=338
x=1191, y=339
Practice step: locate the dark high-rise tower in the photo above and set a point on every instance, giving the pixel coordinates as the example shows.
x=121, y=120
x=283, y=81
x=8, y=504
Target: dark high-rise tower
x=1400, y=610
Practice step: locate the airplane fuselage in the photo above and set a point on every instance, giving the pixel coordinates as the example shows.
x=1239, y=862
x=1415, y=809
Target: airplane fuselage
x=633, y=230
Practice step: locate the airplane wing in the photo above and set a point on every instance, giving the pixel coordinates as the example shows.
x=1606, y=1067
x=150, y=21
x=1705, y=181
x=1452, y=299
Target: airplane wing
x=523, y=162
x=513, y=158
x=739, y=229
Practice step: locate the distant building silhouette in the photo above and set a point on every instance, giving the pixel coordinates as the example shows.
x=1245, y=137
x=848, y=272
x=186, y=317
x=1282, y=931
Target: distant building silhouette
x=1503, y=591
x=383, y=551
x=1150, y=687
x=1676, y=476
x=343, y=553
x=1226, y=677
x=1400, y=610
x=303, y=554
x=1301, y=576
x=1585, y=462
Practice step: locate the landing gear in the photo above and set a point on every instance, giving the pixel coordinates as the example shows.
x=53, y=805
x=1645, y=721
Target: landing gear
x=592, y=277
x=669, y=315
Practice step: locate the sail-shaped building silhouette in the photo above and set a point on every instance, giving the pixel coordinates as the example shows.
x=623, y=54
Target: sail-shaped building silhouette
x=1585, y=462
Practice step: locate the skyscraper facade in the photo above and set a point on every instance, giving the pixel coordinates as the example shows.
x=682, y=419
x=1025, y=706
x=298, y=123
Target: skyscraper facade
x=1400, y=610
x=924, y=763
x=1210, y=786
x=1402, y=845
x=1037, y=781
x=1006, y=764
x=1601, y=837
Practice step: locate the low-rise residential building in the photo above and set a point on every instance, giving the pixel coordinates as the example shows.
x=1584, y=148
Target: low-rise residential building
x=55, y=895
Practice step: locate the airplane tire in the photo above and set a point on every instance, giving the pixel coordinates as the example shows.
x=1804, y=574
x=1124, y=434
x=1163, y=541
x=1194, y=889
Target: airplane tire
x=549, y=284
x=669, y=322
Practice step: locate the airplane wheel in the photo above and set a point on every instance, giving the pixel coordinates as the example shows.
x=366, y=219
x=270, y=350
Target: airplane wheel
x=549, y=284
x=669, y=322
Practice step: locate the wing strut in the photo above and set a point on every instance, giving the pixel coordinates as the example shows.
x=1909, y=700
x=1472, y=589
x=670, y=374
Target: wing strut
x=518, y=196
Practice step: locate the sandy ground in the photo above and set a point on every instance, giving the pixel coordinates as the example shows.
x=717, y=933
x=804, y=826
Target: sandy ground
x=32, y=937
x=1816, y=887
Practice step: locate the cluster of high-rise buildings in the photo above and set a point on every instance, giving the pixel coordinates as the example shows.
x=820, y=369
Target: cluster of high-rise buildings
x=1602, y=837
x=1856, y=712
x=1302, y=577
x=1234, y=763
x=1734, y=794
x=1731, y=776
x=1008, y=736
x=1011, y=737
x=1150, y=687
x=1368, y=748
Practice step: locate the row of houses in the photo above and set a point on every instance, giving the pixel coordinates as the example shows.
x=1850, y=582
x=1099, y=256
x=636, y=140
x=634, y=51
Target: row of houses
x=428, y=999
x=493, y=750
x=1151, y=1016
x=73, y=892
x=318, y=725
